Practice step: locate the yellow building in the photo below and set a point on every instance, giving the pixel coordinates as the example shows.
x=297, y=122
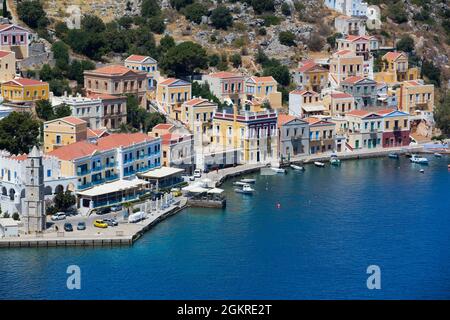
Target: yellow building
x=255, y=135
x=345, y=64
x=22, y=90
x=338, y=103
x=311, y=76
x=395, y=69
x=171, y=93
x=7, y=66
x=198, y=111
x=264, y=89
x=414, y=97
x=64, y=131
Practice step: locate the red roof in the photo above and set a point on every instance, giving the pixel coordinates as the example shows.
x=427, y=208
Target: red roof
x=353, y=38
x=84, y=148
x=26, y=82
x=195, y=101
x=302, y=92
x=136, y=58
x=341, y=95
x=113, y=70
x=72, y=120
x=393, y=55
x=163, y=126
x=353, y=79
x=168, y=81
x=385, y=111
x=359, y=113
x=103, y=96
x=224, y=75
x=4, y=53
x=284, y=118
x=263, y=79
x=98, y=133
x=343, y=52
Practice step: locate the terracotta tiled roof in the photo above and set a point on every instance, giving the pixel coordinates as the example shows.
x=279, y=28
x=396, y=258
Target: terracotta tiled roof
x=195, y=101
x=224, y=75
x=113, y=70
x=264, y=79
x=302, y=92
x=393, y=55
x=136, y=58
x=84, y=148
x=312, y=120
x=343, y=52
x=4, y=53
x=385, y=111
x=340, y=95
x=284, y=118
x=26, y=82
x=359, y=113
x=163, y=126
x=353, y=79
x=168, y=81
x=73, y=120
x=96, y=133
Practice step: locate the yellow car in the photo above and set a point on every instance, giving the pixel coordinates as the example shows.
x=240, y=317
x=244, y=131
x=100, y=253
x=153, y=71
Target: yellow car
x=100, y=224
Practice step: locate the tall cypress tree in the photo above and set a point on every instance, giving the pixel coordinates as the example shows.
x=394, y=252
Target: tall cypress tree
x=5, y=9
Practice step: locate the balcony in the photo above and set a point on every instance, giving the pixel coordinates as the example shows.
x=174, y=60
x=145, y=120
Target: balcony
x=97, y=169
x=97, y=182
x=83, y=172
x=110, y=165
x=84, y=186
x=129, y=160
x=129, y=173
x=112, y=177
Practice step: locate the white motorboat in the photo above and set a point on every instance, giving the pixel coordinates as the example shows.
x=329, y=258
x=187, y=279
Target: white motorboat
x=278, y=170
x=298, y=168
x=420, y=160
x=251, y=181
x=393, y=155
x=438, y=155
x=334, y=160
x=319, y=164
x=239, y=183
x=246, y=189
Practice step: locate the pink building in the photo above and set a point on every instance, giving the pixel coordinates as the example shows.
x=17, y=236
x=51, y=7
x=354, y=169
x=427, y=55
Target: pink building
x=15, y=38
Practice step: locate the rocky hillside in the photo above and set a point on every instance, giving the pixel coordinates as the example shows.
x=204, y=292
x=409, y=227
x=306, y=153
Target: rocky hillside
x=426, y=21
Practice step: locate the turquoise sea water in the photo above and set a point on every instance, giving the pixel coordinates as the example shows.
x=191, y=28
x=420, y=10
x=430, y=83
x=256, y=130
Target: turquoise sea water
x=332, y=224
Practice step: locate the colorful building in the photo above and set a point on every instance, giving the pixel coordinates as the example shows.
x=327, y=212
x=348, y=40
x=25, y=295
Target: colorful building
x=146, y=64
x=7, y=66
x=64, y=131
x=198, y=113
x=347, y=25
x=293, y=137
x=322, y=135
x=348, y=7
x=414, y=97
x=227, y=86
x=21, y=90
x=396, y=131
x=365, y=129
x=263, y=89
x=364, y=91
x=171, y=93
x=15, y=38
x=338, y=103
x=396, y=69
x=117, y=80
x=361, y=46
x=311, y=76
x=304, y=103
x=254, y=134
x=113, y=110
x=345, y=64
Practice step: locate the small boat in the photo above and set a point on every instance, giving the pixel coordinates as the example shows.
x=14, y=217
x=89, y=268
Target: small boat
x=422, y=171
x=319, y=164
x=334, y=160
x=420, y=160
x=239, y=183
x=278, y=170
x=298, y=168
x=246, y=189
x=393, y=155
x=438, y=155
x=251, y=181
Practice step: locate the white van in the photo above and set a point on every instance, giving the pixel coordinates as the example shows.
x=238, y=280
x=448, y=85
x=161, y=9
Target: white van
x=197, y=173
x=136, y=217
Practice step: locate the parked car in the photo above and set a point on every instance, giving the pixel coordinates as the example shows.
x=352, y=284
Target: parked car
x=197, y=173
x=59, y=216
x=111, y=222
x=176, y=192
x=102, y=211
x=116, y=208
x=136, y=217
x=68, y=227
x=81, y=226
x=100, y=224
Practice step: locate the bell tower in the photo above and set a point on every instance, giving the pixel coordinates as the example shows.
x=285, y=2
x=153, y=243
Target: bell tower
x=34, y=215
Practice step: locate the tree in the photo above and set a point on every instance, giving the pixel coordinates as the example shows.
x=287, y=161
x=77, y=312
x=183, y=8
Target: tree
x=202, y=90
x=442, y=114
x=46, y=73
x=286, y=9
x=221, y=18
x=32, y=13
x=19, y=132
x=236, y=60
x=430, y=71
x=61, y=54
x=194, y=12
x=92, y=23
x=214, y=60
x=178, y=4
x=44, y=110
x=64, y=200
x=156, y=24
x=396, y=12
x=150, y=8
x=62, y=111
x=406, y=44
x=184, y=59
x=287, y=38
x=261, y=6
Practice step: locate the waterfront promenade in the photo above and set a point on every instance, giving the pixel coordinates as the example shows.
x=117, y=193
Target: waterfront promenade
x=123, y=234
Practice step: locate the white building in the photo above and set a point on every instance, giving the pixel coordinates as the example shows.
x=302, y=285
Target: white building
x=350, y=25
x=13, y=177
x=8, y=228
x=88, y=109
x=373, y=18
x=348, y=7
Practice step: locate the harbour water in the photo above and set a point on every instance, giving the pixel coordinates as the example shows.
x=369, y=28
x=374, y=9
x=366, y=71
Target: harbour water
x=331, y=224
